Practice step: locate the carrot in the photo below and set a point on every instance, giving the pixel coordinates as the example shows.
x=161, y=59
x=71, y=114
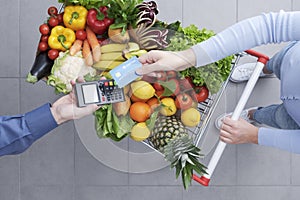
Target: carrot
x=86, y=53
x=93, y=41
x=76, y=47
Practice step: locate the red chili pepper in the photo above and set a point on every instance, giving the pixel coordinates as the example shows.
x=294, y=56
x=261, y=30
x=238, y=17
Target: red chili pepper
x=98, y=21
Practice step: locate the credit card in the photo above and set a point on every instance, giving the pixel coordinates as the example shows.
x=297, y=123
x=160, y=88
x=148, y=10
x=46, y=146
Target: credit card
x=125, y=73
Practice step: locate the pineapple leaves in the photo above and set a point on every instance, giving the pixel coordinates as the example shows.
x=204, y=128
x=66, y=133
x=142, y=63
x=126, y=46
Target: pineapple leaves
x=186, y=175
x=183, y=155
x=178, y=170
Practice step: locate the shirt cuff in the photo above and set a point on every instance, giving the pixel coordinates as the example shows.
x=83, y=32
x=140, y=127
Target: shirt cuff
x=40, y=121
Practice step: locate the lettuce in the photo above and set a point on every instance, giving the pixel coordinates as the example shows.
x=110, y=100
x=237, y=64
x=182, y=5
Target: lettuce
x=212, y=75
x=109, y=125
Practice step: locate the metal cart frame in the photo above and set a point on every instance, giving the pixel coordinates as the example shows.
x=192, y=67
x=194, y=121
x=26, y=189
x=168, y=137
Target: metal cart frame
x=261, y=61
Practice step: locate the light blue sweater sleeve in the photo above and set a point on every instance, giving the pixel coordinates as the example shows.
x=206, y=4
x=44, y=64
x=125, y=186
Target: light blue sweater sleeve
x=288, y=140
x=263, y=29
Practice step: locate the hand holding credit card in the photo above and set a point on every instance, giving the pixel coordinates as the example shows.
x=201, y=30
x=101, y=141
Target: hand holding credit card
x=125, y=73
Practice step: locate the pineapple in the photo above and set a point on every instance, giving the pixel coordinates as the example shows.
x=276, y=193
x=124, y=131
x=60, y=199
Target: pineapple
x=165, y=129
x=171, y=138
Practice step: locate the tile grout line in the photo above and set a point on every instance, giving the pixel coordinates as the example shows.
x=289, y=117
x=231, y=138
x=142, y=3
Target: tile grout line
x=74, y=161
x=236, y=149
x=182, y=19
x=19, y=108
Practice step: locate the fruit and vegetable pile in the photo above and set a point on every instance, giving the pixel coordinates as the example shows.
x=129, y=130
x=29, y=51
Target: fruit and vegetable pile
x=90, y=37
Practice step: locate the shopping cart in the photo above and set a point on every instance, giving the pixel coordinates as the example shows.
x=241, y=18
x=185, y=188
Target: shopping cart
x=261, y=61
x=208, y=107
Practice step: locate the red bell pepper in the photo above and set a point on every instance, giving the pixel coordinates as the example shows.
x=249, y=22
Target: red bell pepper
x=98, y=21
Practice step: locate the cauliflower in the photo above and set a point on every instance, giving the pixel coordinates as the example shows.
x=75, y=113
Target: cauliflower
x=67, y=68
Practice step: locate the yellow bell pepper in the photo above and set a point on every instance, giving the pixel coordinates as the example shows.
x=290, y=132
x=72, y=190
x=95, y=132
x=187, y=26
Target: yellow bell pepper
x=61, y=38
x=75, y=17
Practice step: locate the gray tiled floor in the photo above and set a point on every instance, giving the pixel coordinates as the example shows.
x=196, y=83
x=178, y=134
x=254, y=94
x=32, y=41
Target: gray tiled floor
x=58, y=166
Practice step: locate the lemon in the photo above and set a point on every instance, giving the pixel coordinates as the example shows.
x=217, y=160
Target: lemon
x=142, y=89
x=168, y=107
x=190, y=117
x=140, y=132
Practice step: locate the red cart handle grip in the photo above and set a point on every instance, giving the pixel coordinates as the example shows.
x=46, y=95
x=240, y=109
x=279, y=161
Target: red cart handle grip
x=260, y=57
x=202, y=180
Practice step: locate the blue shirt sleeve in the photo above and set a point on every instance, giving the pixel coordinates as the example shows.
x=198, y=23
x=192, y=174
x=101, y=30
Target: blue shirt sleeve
x=18, y=132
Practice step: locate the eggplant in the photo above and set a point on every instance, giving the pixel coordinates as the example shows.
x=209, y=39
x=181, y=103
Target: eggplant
x=41, y=67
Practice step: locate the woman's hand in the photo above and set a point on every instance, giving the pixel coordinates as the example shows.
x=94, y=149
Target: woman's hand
x=65, y=108
x=238, y=131
x=157, y=60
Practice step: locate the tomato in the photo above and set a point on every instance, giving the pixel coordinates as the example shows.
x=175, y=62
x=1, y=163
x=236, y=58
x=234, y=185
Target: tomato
x=186, y=83
x=177, y=87
x=60, y=18
x=53, y=54
x=44, y=29
x=161, y=76
x=80, y=35
x=44, y=38
x=171, y=74
x=183, y=101
x=52, y=11
x=149, y=79
x=201, y=93
x=158, y=86
x=43, y=46
x=53, y=21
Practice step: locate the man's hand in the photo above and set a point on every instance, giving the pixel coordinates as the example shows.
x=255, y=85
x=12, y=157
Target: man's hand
x=65, y=108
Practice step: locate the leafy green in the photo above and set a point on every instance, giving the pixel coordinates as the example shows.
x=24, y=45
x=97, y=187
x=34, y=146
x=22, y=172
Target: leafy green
x=169, y=87
x=86, y=3
x=109, y=125
x=124, y=13
x=125, y=125
x=212, y=75
x=151, y=121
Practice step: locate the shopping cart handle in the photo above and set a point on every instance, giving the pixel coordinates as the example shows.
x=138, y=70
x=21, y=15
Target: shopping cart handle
x=260, y=57
x=202, y=180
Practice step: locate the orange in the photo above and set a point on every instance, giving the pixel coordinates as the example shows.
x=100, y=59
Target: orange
x=153, y=103
x=140, y=111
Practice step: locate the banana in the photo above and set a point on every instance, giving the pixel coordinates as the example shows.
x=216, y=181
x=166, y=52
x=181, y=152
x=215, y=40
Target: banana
x=137, y=53
x=117, y=47
x=113, y=56
x=106, y=64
